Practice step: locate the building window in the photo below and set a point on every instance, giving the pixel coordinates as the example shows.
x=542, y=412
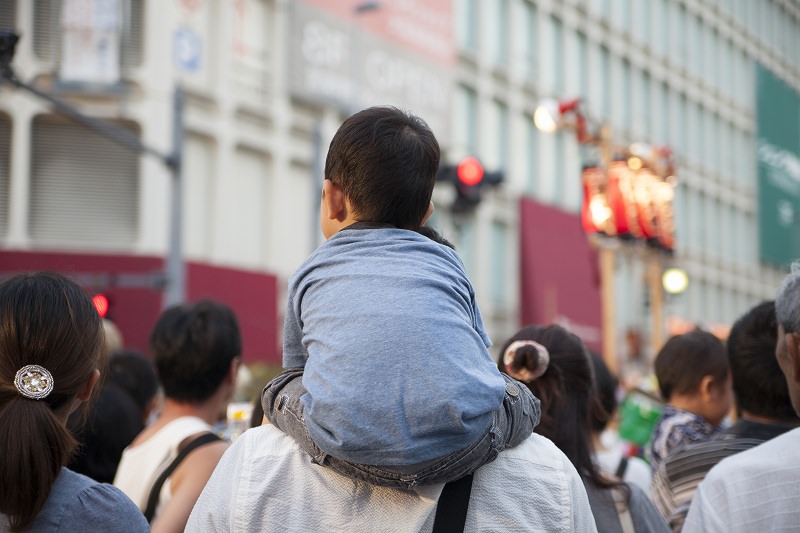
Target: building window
x=5, y=169
x=659, y=35
x=467, y=27
x=499, y=159
x=8, y=14
x=466, y=117
x=84, y=187
x=557, y=51
x=499, y=40
x=677, y=33
x=532, y=157
x=199, y=193
x=499, y=264
x=526, y=36
x=47, y=32
x=583, y=66
x=246, y=193
x=605, y=82
x=694, y=49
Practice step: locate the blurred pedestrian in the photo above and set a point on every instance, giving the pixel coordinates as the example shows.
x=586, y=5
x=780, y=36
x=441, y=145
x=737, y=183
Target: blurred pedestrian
x=758, y=489
x=694, y=380
x=51, y=349
x=557, y=367
x=132, y=371
x=762, y=403
x=610, y=452
x=196, y=350
x=123, y=405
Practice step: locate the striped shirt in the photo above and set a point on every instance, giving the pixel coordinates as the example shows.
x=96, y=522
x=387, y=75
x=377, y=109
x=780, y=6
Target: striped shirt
x=676, y=479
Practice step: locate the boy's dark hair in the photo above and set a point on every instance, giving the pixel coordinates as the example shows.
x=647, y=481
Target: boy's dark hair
x=685, y=359
x=758, y=383
x=193, y=346
x=385, y=162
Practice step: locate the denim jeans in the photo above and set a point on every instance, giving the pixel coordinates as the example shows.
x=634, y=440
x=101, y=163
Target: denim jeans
x=512, y=423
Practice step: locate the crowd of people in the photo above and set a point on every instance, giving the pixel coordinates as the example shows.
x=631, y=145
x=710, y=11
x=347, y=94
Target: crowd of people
x=391, y=413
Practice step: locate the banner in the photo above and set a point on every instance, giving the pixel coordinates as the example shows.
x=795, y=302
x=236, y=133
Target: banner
x=90, y=41
x=778, y=157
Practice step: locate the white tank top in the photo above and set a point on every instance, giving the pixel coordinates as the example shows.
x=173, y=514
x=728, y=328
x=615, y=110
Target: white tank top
x=141, y=465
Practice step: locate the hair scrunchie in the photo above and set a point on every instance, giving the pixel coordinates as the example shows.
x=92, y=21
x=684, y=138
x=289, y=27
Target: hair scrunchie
x=525, y=374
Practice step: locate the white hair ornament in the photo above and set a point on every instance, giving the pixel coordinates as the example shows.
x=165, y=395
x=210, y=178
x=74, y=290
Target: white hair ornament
x=524, y=374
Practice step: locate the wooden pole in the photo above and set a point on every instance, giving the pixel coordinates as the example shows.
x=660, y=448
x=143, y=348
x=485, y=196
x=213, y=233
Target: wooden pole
x=656, y=303
x=607, y=305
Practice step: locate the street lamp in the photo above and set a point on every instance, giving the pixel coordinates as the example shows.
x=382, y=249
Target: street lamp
x=675, y=280
x=550, y=116
x=174, y=279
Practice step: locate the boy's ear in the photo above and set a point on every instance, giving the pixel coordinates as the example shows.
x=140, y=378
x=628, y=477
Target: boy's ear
x=706, y=385
x=333, y=202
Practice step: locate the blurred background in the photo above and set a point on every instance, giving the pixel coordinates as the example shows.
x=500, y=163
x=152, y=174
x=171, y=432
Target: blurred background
x=666, y=141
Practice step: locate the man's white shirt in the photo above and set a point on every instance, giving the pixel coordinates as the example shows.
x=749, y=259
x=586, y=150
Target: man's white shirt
x=264, y=483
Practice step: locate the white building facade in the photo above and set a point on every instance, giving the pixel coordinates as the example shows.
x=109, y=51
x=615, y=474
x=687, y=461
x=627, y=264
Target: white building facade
x=267, y=82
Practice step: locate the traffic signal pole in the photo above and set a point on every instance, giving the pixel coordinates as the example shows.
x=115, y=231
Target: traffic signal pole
x=173, y=281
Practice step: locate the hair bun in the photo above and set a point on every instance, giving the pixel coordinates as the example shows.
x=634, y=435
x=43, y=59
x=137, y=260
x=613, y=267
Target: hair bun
x=522, y=368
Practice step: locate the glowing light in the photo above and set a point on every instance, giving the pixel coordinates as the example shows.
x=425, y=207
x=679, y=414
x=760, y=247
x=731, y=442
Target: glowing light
x=547, y=116
x=675, y=280
x=100, y=302
x=470, y=171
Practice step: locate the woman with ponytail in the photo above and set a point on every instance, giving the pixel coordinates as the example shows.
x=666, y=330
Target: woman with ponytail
x=556, y=367
x=51, y=343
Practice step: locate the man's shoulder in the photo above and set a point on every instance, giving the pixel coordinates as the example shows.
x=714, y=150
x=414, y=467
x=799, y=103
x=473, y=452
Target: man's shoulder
x=701, y=456
x=768, y=458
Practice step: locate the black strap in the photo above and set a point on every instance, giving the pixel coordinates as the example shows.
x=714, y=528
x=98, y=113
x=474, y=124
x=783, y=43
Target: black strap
x=451, y=511
x=155, y=491
x=622, y=467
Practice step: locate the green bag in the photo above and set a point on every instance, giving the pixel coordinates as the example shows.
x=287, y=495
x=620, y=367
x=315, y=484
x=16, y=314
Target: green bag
x=639, y=413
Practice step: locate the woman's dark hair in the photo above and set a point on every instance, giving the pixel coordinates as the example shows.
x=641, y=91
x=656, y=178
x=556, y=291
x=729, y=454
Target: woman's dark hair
x=567, y=393
x=46, y=320
x=606, y=386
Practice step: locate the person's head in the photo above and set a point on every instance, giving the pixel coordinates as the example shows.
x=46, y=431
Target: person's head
x=196, y=349
x=693, y=374
x=381, y=167
x=114, y=421
x=566, y=388
x=759, y=386
x=136, y=375
x=606, y=387
x=51, y=345
x=787, y=350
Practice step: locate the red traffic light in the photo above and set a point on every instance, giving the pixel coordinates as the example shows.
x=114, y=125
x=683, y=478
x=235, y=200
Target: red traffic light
x=469, y=171
x=100, y=302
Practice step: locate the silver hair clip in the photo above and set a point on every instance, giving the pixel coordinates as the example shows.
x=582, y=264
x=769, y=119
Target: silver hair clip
x=34, y=382
x=523, y=374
